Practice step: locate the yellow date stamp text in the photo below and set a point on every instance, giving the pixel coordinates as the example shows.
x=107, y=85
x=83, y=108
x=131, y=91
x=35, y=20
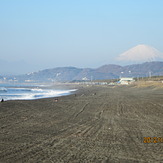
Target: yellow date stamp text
x=153, y=139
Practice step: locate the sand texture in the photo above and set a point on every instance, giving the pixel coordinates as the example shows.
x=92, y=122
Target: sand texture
x=98, y=124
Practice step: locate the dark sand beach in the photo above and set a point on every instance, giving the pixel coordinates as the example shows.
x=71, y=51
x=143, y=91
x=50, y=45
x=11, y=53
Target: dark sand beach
x=98, y=124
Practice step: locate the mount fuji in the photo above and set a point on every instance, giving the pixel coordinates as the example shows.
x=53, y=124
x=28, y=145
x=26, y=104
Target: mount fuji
x=141, y=53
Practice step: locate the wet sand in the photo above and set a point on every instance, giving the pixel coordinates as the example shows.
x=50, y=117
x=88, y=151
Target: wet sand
x=98, y=124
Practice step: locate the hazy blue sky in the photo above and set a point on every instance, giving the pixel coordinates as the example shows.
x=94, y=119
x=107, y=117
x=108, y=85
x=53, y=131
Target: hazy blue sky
x=81, y=33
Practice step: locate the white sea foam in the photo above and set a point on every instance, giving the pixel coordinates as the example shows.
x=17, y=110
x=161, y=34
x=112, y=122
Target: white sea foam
x=31, y=93
x=3, y=89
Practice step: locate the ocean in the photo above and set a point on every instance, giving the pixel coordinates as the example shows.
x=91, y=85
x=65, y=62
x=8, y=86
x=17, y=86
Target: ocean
x=31, y=92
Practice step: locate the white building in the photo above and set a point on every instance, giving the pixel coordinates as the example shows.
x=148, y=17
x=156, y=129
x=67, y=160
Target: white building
x=126, y=81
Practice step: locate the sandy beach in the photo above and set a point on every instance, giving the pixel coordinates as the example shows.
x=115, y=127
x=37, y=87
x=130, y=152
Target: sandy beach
x=97, y=124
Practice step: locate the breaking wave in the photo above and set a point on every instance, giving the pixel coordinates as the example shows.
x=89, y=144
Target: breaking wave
x=31, y=93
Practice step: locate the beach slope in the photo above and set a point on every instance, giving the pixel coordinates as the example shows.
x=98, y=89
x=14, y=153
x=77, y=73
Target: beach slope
x=97, y=124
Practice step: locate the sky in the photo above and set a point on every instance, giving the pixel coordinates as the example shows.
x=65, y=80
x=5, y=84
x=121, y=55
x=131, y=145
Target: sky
x=41, y=34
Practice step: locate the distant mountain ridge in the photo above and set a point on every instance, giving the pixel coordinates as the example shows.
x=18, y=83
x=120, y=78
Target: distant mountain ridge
x=110, y=71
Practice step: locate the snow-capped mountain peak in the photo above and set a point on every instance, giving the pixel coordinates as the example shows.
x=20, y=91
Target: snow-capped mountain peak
x=141, y=53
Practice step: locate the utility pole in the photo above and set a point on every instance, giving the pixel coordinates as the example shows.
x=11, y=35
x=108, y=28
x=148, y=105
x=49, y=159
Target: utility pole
x=121, y=75
x=150, y=74
x=91, y=78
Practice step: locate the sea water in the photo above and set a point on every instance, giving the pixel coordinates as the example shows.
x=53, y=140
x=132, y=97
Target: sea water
x=24, y=92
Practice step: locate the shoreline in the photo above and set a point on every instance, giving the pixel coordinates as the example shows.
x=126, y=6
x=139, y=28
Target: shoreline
x=32, y=92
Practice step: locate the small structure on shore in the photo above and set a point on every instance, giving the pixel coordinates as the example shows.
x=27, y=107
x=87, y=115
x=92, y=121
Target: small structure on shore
x=126, y=81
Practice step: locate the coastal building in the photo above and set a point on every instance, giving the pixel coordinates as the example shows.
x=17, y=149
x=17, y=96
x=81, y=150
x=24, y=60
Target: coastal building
x=126, y=81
